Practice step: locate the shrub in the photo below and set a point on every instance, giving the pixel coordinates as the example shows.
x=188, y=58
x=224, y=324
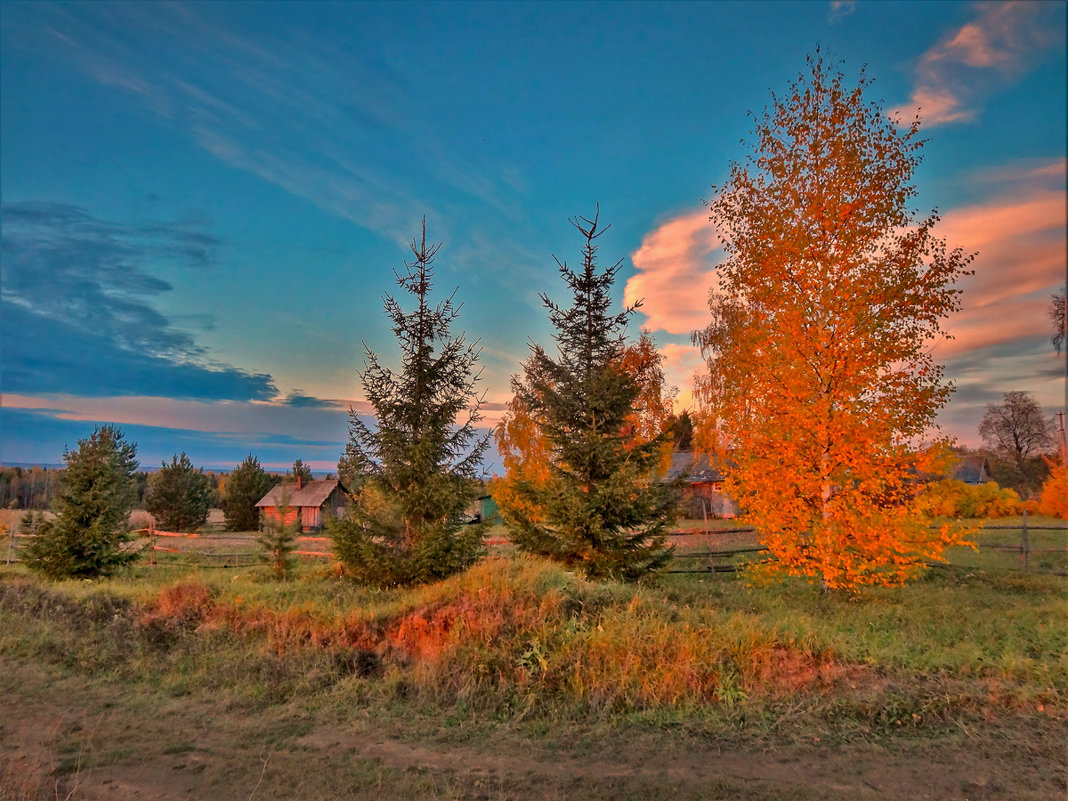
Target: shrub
x=951, y=497
x=277, y=542
x=1054, y=498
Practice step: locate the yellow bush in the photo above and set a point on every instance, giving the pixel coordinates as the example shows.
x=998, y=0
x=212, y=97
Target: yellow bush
x=953, y=498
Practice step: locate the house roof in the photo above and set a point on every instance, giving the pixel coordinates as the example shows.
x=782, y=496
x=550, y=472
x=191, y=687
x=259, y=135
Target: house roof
x=971, y=469
x=694, y=467
x=314, y=493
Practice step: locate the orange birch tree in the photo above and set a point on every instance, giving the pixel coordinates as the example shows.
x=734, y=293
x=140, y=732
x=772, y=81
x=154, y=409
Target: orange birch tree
x=820, y=380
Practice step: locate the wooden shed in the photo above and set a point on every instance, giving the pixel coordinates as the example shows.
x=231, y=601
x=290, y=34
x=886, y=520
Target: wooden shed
x=703, y=486
x=313, y=503
x=488, y=511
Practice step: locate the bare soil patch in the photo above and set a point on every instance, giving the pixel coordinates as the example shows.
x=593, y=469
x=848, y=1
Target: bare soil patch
x=78, y=738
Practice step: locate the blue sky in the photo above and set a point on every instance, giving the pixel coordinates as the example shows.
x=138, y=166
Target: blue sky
x=203, y=203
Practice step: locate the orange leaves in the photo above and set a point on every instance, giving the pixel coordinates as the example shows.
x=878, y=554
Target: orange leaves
x=1054, y=498
x=818, y=372
x=525, y=453
x=653, y=408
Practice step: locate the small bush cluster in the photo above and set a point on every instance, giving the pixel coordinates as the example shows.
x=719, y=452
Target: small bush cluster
x=277, y=542
x=953, y=498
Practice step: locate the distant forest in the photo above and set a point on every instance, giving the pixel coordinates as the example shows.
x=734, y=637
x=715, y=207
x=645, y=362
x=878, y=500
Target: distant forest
x=27, y=487
x=35, y=487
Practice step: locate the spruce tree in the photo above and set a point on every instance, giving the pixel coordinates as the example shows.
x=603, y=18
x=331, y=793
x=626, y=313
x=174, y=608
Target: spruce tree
x=244, y=488
x=602, y=508
x=415, y=471
x=179, y=495
x=96, y=494
x=302, y=474
x=278, y=540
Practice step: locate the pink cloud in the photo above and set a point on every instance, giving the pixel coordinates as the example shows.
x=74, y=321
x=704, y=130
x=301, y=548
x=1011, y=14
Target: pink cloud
x=681, y=362
x=1019, y=235
x=976, y=58
x=972, y=46
x=674, y=273
x=220, y=417
x=840, y=9
x=1021, y=260
x=936, y=106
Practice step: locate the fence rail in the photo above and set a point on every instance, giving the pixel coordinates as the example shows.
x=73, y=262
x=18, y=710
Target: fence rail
x=1024, y=548
x=681, y=563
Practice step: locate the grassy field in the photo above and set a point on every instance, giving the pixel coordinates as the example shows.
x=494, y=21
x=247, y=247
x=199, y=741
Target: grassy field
x=520, y=680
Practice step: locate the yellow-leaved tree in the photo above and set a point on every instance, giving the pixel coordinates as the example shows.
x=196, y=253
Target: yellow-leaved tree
x=820, y=380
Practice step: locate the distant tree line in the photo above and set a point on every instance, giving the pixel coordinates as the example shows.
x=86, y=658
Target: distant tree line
x=28, y=487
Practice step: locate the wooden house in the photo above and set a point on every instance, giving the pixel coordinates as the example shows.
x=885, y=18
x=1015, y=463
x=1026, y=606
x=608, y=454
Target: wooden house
x=312, y=503
x=702, y=486
x=972, y=470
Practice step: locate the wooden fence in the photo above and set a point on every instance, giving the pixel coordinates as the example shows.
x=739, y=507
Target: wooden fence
x=713, y=559
x=697, y=561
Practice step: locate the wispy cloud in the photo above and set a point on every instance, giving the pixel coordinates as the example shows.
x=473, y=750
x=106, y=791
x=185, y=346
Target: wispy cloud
x=1019, y=235
x=238, y=418
x=983, y=54
x=216, y=433
x=78, y=313
x=840, y=9
x=36, y=435
x=290, y=110
x=984, y=375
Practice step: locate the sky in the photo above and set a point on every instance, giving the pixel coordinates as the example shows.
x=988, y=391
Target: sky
x=203, y=203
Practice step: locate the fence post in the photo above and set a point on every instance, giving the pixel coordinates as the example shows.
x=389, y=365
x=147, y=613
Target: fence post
x=1025, y=543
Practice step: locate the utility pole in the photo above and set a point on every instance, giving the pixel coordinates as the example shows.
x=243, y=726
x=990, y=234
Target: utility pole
x=1063, y=443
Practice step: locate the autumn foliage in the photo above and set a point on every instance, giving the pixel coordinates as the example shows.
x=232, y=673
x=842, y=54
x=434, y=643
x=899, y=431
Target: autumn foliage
x=1054, y=498
x=954, y=498
x=820, y=378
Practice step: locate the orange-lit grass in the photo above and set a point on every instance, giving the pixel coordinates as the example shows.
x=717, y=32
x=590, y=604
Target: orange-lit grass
x=512, y=638
x=526, y=632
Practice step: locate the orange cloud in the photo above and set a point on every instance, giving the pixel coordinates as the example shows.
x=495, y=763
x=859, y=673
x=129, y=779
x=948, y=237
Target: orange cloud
x=936, y=106
x=674, y=273
x=975, y=58
x=220, y=417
